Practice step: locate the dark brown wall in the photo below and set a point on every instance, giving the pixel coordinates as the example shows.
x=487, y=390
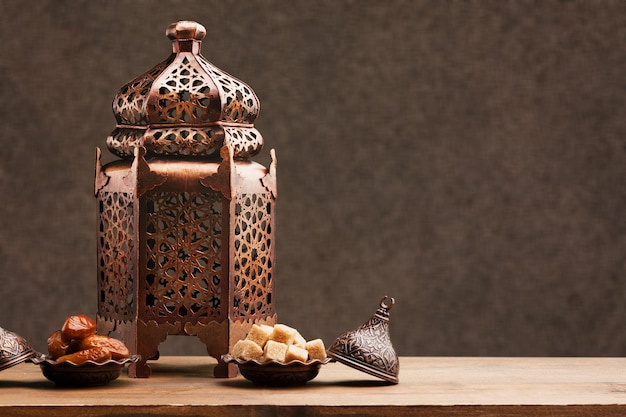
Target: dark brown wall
x=466, y=157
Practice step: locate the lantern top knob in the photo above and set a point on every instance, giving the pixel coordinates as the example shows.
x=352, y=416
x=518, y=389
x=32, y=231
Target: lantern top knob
x=186, y=30
x=185, y=106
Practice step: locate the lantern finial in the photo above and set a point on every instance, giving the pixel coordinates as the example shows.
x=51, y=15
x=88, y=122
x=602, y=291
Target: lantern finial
x=186, y=36
x=186, y=30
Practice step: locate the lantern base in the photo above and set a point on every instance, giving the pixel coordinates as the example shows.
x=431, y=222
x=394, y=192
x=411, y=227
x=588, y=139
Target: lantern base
x=143, y=338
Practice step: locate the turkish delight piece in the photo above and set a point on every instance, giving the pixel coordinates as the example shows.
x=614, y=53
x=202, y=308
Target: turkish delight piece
x=275, y=351
x=316, y=349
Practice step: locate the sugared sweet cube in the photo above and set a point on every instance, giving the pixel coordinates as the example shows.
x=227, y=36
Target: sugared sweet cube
x=259, y=334
x=295, y=353
x=316, y=349
x=247, y=350
x=299, y=340
x=275, y=351
x=283, y=334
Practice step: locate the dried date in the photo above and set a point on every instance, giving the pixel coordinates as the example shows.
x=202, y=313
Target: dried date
x=117, y=348
x=57, y=345
x=97, y=354
x=78, y=327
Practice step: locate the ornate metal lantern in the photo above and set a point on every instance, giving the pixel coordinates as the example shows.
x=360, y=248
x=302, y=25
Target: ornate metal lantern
x=185, y=218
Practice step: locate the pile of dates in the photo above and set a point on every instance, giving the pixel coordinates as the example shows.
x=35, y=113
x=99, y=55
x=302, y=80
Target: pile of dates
x=77, y=342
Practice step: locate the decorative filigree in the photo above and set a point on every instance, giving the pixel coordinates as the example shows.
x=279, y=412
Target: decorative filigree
x=140, y=177
x=123, y=141
x=185, y=106
x=222, y=180
x=13, y=349
x=184, y=141
x=253, y=261
x=116, y=247
x=239, y=103
x=245, y=141
x=185, y=240
x=130, y=103
x=185, y=277
x=184, y=94
x=368, y=348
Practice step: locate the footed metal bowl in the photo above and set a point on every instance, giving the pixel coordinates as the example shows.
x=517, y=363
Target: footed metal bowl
x=274, y=373
x=88, y=374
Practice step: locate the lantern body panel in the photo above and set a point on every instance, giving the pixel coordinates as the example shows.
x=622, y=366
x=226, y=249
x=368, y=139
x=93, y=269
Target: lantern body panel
x=117, y=255
x=185, y=270
x=185, y=247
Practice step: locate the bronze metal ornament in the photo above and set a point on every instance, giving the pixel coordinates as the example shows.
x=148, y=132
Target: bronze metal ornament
x=368, y=348
x=14, y=349
x=185, y=219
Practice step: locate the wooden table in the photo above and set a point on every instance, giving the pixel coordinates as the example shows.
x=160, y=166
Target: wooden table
x=441, y=386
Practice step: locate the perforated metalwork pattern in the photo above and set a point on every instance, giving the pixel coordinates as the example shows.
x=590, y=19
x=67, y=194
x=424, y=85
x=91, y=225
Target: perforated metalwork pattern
x=185, y=279
x=169, y=141
x=253, y=264
x=122, y=142
x=116, y=263
x=245, y=142
x=239, y=103
x=184, y=141
x=130, y=103
x=184, y=94
x=185, y=106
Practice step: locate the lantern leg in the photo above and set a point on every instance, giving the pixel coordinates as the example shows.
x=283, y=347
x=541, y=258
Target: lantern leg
x=225, y=370
x=139, y=369
x=128, y=332
x=146, y=338
x=215, y=336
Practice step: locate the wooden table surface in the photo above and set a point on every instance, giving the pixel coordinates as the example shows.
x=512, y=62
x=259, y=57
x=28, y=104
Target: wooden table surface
x=429, y=386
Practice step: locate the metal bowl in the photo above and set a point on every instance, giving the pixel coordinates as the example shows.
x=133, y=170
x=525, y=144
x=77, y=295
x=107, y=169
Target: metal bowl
x=274, y=373
x=88, y=374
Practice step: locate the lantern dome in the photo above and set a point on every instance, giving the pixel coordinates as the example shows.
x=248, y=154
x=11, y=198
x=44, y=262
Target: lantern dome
x=185, y=106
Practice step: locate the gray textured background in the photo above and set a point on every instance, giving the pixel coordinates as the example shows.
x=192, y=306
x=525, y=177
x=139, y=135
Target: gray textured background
x=466, y=157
